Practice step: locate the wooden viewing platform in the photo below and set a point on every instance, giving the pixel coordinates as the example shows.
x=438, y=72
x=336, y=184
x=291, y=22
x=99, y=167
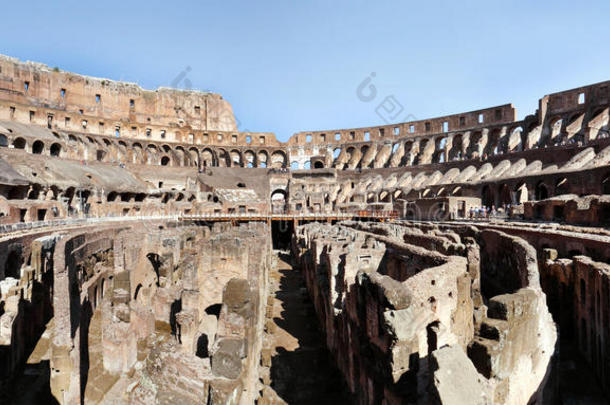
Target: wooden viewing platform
x=381, y=216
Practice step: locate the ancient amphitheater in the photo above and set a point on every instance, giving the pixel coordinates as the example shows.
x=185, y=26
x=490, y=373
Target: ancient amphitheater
x=150, y=253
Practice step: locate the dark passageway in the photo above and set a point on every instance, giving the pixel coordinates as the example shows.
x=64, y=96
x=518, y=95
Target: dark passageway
x=302, y=370
x=281, y=234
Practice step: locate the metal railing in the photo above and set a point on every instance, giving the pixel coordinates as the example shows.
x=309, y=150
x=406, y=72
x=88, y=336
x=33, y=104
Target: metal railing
x=288, y=215
x=25, y=226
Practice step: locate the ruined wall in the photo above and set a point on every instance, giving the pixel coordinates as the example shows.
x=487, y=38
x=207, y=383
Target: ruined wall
x=122, y=299
x=30, y=87
x=398, y=317
x=385, y=307
x=578, y=294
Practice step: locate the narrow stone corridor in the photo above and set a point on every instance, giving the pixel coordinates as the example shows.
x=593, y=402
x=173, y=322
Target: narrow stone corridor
x=296, y=366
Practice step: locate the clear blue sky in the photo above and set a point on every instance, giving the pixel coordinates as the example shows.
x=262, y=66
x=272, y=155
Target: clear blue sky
x=288, y=66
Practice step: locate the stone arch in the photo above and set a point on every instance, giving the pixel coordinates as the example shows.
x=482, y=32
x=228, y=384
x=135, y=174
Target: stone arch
x=263, y=158
x=278, y=159
x=279, y=198
x=38, y=147
x=515, y=140
x=542, y=191
x=224, y=159
x=100, y=155
x=12, y=266
x=440, y=143
x=207, y=158
x=152, y=152
x=250, y=158
x=455, y=153
x=556, y=129
x=180, y=154
x=487, y=198
x=236, y=158
x=55, y=149
x=138, y=153
x=193, y=156
x=493, y=146
x=112, y=196
x=475, y=147
x=504, y=195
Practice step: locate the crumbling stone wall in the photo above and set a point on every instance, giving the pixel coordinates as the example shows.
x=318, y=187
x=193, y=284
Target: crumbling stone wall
x=394, y=322
x=381, y=328
x=578, y=291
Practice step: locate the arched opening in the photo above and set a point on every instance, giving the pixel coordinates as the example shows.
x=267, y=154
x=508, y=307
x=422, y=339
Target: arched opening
x=207, y=158
x=112, y=196
x=294, y=166
x=505, y=195
x=278, y=201
x=515, y=141
x=19, y=143
x=556, y=125
x=281, y=234
x=165, y=161
x=318, y=165
x=236, y=158
x=55, y=149
x=307, y=165
x=542, y=191
x=263, y=158
x=12, y=268
x=278, y=159
x=224, y=159
x=455, y=153
x=3, y=140
x=37, y=147
x=214, y=310
x=202, y=346
x=487, y=198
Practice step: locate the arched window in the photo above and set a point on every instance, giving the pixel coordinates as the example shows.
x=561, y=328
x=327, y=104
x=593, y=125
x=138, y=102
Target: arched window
x=542, y=191
x=55, y=149
x=37, y=147
x=19, y=143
